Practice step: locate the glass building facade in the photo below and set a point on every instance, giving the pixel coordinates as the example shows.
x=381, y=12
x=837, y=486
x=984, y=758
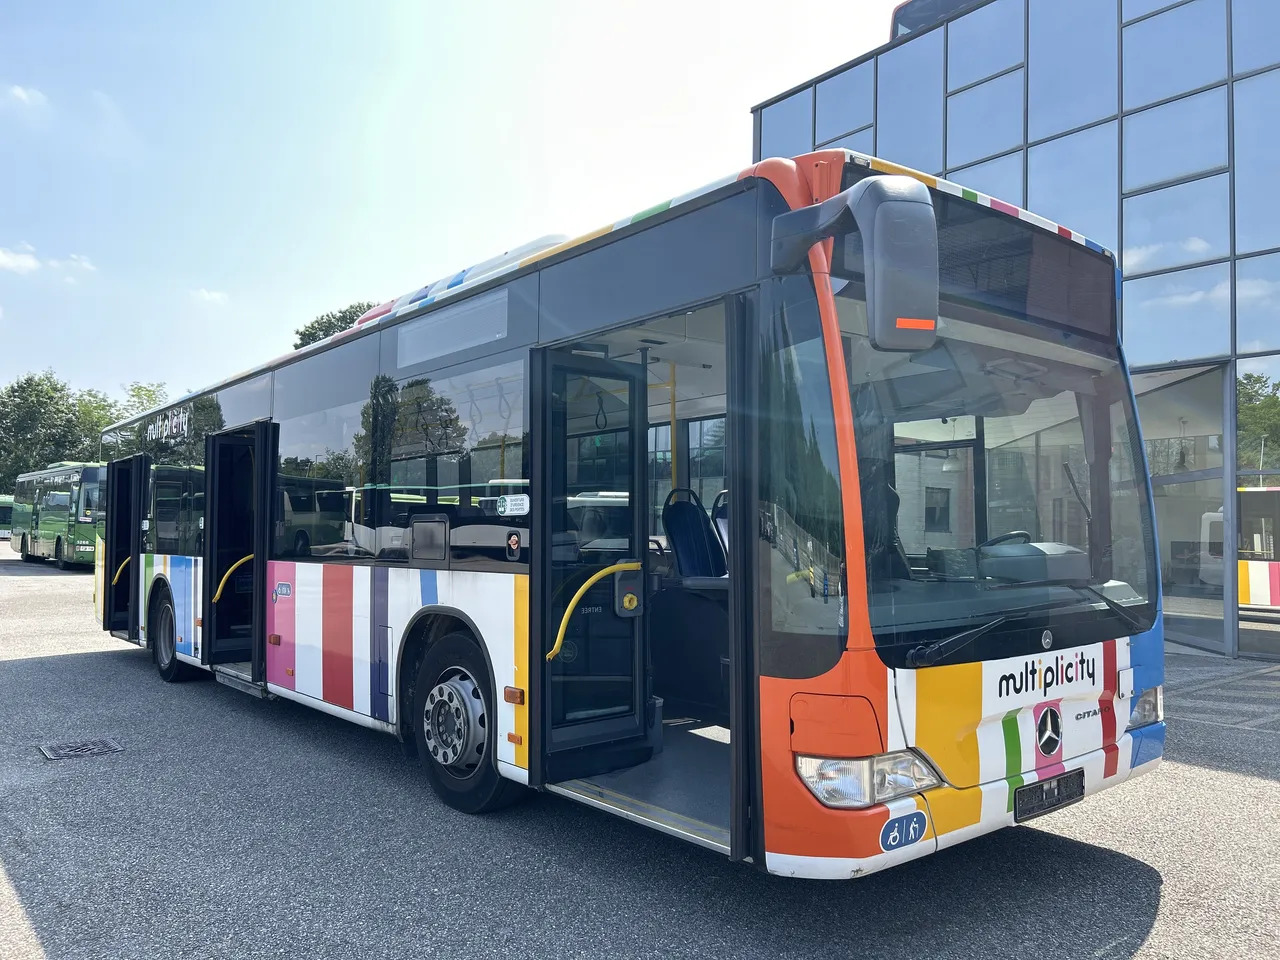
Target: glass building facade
x=1149, y=126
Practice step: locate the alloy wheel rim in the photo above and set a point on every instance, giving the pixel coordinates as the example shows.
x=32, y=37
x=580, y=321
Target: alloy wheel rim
x=455, y=724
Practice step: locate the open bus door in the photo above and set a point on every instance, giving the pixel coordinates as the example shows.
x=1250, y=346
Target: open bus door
x=598, y=713
x=239, y=477
x=125, y=505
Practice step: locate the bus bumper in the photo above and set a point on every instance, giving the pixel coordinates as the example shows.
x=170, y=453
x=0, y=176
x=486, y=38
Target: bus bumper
x=946, y=816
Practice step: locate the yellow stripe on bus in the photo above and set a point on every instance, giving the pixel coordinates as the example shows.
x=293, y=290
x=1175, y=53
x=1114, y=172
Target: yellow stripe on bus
x=522, y=669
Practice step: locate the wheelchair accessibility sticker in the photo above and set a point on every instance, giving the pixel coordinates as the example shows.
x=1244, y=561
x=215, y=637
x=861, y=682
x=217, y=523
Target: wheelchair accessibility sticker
x=902, y=831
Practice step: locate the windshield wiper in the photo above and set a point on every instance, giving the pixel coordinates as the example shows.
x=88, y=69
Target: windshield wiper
x=927, y=654
x=1071, y=479
x=1114, y=606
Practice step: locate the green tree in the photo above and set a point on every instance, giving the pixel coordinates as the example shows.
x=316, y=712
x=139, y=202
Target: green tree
x=40, y=423
x=1257, y=422
x=327, y=324
x=140, y=397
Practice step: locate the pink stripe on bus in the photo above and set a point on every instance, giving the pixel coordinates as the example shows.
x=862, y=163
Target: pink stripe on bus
x=282, y=656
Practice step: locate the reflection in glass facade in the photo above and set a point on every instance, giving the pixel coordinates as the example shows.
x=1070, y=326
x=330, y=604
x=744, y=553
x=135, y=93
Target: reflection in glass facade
x=1174, y=168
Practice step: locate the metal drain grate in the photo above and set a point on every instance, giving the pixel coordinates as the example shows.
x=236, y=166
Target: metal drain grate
x=80, y=748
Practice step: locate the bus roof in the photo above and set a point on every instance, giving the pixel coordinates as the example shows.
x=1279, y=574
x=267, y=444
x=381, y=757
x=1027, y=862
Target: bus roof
x=526, y=256
x=55, y=468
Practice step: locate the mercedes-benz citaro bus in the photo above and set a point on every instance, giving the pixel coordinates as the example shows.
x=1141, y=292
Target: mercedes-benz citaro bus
x=926, y=606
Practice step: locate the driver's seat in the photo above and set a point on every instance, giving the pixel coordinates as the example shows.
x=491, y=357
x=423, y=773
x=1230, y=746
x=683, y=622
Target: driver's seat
x=886, y=558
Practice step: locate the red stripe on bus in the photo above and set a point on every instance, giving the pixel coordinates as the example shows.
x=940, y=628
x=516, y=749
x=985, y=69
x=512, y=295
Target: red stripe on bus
x=338, y=688
x=1107, y=707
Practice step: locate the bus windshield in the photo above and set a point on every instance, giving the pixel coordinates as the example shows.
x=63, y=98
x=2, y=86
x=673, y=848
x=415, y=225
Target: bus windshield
x=1000, y=470
x=89, y=507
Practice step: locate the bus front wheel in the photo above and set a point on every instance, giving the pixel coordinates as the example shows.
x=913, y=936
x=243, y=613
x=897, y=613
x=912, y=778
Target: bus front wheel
x=25, y=551
x=453, y=723
x=59, y=556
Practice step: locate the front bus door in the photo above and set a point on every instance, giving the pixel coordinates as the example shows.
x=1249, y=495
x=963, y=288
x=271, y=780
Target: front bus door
x=126, y=499
x=598, y=713
x=239, y=474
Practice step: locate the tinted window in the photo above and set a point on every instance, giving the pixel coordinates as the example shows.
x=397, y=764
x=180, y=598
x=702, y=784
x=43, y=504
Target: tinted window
x=1072, y=63
x=1073, y=180
x=786, y=127
x=1176, y=51
x=985, y=119
x=1178, y=316
x=1258, y=304
x=1000, y=178
x=864, y=141
x=1175, y=140
x=984, y=42
x=845, y=102
x=1177, y=225
x=455, y=445
x=475, y=321
x=326, y=406
x=909, y=104
x=1257, y=145
x=1255, y=24
x=245, y=402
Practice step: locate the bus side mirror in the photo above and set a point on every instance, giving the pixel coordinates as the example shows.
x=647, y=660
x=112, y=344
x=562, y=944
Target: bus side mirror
x=885, y=235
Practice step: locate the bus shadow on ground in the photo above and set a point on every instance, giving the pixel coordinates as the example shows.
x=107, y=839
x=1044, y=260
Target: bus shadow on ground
x=290, y=832
x=12, y=566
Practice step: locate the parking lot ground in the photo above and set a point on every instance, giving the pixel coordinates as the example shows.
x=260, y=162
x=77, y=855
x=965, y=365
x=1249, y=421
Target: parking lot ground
x=235, y=827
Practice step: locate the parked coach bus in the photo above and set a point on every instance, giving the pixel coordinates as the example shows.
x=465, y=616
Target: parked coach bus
x=6, y=515
x=858, y=663
x=56, y=512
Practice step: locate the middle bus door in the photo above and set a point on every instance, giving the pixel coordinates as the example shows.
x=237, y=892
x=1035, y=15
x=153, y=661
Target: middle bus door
x=598, y=714
x=239, y=475
x=122, y=546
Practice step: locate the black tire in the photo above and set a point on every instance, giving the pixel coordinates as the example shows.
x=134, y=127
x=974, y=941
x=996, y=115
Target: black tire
x=301, y=545
x=470, y=782
x=162, y=634
x=27, y=557
x=59, y=560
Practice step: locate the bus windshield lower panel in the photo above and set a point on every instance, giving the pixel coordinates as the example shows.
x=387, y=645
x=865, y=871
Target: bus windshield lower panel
x=1002, y=482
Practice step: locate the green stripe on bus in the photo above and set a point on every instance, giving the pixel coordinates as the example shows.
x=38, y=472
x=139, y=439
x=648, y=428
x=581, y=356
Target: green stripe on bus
x=651, y=211
x=970, y=195
x=1012, y=753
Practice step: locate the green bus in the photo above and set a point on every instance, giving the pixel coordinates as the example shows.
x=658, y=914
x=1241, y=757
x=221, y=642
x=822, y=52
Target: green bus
x=6, y=515
x=56, y=512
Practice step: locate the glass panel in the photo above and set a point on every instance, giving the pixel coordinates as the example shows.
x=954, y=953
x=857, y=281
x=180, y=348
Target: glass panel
x=786, y=127
x=1255, y=24
x=659, y=473
x=846, y=102
x=453, y=446
x=1257, y=145
x=1179, y=50
x=984, y=42
x=935, y=490
x=1072, y=61
x=706, y=459
x=1175, y=140
x=1183, y=224
x=1182, y=423
x=984, y=119
x=1074, y=181
x=1000, y=178
x=1258, y=414
x=909, y=104
x=480, y=320
x=1178, y=316
x=1258, y=304
x=1258, y=572
x=864, y=141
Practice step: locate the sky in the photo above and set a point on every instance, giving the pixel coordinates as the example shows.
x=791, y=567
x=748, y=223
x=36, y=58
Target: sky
x=183, y=185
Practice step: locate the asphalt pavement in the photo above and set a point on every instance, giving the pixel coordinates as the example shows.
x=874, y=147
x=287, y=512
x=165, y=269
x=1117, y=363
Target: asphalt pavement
x=235, y=827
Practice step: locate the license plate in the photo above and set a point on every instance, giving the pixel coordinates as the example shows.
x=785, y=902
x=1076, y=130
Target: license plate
x=1038, y=798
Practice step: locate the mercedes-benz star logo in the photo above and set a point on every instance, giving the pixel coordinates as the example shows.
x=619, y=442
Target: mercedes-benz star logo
x=1046, y=639
x=1049, y=731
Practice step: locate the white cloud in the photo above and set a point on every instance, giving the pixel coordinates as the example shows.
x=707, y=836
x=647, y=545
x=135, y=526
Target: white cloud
x=70, y=281
x=26, y=247
x=1218, y=293
x=74, y=261
x=19, y=262
x=210, y=296
x=28, y=97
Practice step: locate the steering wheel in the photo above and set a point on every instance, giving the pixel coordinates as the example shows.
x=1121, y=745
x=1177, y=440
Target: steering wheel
x=1020, y=536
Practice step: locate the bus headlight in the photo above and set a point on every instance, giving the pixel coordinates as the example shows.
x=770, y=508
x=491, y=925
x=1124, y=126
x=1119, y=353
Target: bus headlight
x=865, y=781
x=1148, y=708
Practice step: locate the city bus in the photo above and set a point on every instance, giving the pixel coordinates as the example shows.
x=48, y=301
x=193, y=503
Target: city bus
x=927, y=606
x=6, y=515
x=56, y=512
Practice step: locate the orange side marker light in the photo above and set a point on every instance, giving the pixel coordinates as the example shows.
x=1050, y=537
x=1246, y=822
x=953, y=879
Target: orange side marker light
x=513, y=695
x=916, y=323
x=515, y=738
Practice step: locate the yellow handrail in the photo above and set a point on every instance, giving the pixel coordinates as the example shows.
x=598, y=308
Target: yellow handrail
x=120, y=570
x=591, y=581
x=227, y=576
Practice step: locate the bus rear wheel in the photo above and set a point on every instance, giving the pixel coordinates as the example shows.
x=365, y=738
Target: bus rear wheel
x=453, y=724
x=59, y=557
x=162, y=629
x=25, y=552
